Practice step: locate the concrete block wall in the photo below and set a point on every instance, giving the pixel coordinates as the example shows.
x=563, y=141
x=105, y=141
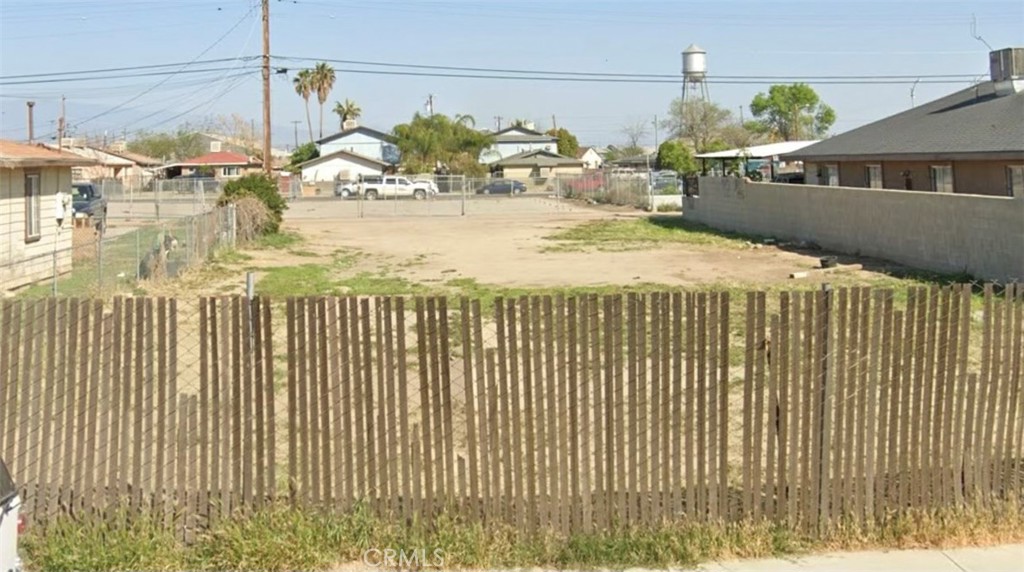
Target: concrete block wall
x=983, y=236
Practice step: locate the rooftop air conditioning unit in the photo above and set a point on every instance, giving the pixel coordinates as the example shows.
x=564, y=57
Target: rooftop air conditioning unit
x=1006, y=68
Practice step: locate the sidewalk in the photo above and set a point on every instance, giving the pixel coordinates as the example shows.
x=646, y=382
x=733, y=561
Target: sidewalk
x=993, y=559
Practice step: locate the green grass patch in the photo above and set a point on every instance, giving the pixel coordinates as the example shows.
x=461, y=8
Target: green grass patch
x=638, y=233
x=280, y=538
x=303, y=253
x=229, y=256
x=302, y=280
x=381, y=284
x=279, y=240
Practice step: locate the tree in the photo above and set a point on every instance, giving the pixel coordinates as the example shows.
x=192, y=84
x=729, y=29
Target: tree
x=698, y=123
x=634, y=132
x=180, y=145
x=427, y=142
x=303, y=83
x=465, y=119
x=346, y=111
x=301, y=154
x=673, y=155
x=792, y=112
x=568, y=145
x=323, y=83
x=262, y=187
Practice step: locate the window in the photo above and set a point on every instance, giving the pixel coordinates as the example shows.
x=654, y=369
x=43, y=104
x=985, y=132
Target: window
x=832, y=175
x=873, y=176
x=33, y=208
x=1015, y=180
x=215, y=146
x=230, y=171
x=942, y=178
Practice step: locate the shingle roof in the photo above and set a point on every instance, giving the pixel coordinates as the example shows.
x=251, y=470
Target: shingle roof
x=221, y=158
x=969, y=122
x=537, y=157
x=364, y=130
x=137, y=158
x=14, y=155
x=341, y=153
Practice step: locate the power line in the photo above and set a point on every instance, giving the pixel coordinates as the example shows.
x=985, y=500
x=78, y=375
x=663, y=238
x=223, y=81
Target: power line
x=120, y=76
x=618, y=75
x=129, y=68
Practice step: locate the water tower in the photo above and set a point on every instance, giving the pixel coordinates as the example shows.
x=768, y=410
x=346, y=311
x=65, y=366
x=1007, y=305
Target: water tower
x=695, y=74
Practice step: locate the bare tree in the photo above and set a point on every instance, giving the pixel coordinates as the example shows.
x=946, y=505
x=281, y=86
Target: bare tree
x=634, y=133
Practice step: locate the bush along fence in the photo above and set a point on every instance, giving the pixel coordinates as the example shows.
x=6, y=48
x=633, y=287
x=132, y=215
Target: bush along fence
x=568, y=414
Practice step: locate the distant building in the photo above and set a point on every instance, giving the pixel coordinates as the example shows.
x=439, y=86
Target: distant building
x=536, y=164
x=362, y=141
x=590, y=157
x=219, y=165
x=516, y=140
x=340, y=166
x=971, y=141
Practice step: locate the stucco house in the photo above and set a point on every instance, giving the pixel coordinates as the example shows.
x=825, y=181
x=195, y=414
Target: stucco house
x=536, y=164
x=219, y=165
x=516, y=140
x=971, y=141
x=590, y=157
x=341, y=165
x=30, y=236
x=361, y=141
x=103, y=165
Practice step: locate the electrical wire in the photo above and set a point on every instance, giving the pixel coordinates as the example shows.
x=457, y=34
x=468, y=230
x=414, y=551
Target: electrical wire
x=128, y=68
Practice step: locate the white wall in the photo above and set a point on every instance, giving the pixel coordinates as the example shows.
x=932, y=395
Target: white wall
x=980, y=235
x=24, y=263
x=331, y=169
x=358, y=143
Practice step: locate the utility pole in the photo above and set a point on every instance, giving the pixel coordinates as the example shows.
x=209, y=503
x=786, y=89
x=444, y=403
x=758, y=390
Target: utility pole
x=498, y=119
x=430, y=105
x=655, y=131
x=554, y=124
x=741, y=115
x=31, y=123
x=296, y=125
x=60, y=125
x=268, y=164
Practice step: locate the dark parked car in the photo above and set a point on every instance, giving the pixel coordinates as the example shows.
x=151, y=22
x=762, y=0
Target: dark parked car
x=791, y=178
x=86, y=199
x=502, y=188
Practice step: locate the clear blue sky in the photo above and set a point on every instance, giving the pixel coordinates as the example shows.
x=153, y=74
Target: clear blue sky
x=742, y=37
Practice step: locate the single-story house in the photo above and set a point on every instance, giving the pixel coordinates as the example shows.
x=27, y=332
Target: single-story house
x=537, y=164
x=767, y=158
x=103, y=165
x=219, y=165
x=361, y=141
x=971, y=141
x=637, y=162
x=517, y=140
x=590, y=157
x=340, y=166
x=34, y=226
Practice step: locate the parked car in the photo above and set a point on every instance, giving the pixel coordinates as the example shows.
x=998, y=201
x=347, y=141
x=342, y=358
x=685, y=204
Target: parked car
x=429, y=184
x=373, y=188
x=791, y=178
x=502, y=187
x=86, y=200
x=346, y=189
x=12, y=523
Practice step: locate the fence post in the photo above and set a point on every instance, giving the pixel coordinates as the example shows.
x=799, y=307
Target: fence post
x=55, y=269
x=99, y=262
x=138, y=254
x=156, y=199
x=231, y=225
x=463, y=200
x=824, y=419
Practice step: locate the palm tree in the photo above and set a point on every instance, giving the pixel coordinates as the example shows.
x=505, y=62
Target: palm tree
x=346, y=111
x=466, y=120
x=323, y=82
x=304, y=86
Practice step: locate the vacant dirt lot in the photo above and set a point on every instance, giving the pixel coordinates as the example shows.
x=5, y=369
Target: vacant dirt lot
x=505, y=242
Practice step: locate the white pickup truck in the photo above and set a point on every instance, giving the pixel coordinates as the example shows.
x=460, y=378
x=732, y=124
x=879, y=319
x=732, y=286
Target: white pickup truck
x=373, y=188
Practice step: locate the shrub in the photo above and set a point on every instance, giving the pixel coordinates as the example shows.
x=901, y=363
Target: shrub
x=261, y=187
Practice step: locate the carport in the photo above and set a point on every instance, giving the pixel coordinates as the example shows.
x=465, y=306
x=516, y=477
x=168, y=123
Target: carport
x=769, y=153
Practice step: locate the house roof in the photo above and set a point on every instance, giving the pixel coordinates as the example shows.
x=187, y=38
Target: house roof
x=341, y=154
x=98, y=156
x=136, y=158
x=363, y=130
x=964, y=124
x=583, y=151
x=522, y=135
x=537, y=158
x=14, y=155
x=758, y=151
x=219, y=158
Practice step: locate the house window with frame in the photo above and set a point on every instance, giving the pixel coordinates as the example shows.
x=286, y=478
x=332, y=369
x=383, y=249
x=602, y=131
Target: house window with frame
x=33, y=207
x=873, y=176
x=1015, y=180
x=942, y=178
x=832, y=175
x=230, y=171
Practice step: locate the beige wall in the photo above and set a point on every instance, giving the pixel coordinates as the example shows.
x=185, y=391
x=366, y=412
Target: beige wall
x=969, y=177
x=23, y=262
x=948, y=233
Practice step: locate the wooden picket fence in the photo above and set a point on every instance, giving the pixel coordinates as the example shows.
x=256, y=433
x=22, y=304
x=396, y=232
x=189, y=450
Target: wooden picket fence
x=571, y=413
